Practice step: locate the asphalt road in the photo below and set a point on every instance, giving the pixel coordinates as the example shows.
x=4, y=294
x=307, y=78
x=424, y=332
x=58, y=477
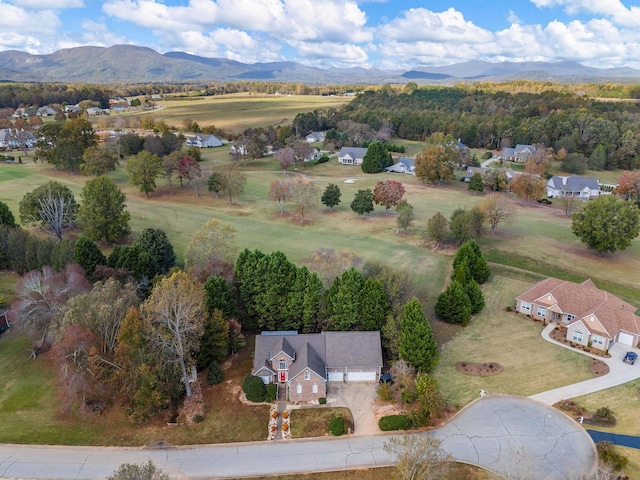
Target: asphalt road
x=507, y=434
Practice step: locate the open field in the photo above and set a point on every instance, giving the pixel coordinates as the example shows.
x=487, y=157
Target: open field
x=235, y=112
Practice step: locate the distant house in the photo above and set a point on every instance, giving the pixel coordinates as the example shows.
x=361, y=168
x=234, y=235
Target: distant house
x=592, y=316
x=403, y=165
x=203, y=141
x=72, y=108
x=351, y=155
x=316, y=137
x=239, y=148
x=508, y=172
x=96, y=111
x=303, y=364
x=46, y=111
x=519, y=154
x=574, y=186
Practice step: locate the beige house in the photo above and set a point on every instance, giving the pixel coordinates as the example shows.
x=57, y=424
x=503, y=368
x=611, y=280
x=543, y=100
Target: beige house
x=592, y=316
x=303, y=364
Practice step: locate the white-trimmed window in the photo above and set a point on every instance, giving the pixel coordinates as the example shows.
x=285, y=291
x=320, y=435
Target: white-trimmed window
x=541, y=312
x=314, y=388
x=307, y=375
x=577, y=336
x=525, y=307
x=597, y=340
x=299, y=388
x=282, y=365
x=570, y=317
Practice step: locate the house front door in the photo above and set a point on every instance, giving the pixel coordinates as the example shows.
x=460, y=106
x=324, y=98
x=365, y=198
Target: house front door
x=282, y=376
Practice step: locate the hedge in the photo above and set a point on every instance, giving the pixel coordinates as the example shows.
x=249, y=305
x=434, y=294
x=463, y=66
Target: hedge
x=336, y=426
x=394, y=422
x=253, y=388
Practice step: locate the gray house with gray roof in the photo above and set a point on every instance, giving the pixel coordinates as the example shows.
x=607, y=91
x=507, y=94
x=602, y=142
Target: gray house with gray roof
x=303, y=364
x=574, y=186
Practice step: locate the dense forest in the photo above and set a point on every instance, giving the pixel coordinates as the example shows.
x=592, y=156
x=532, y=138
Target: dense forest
x=494, y=119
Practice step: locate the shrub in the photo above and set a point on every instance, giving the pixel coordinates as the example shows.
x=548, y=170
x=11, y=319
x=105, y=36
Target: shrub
x=509, y=309
x=384, y=392
x=336, y=426
x=197, y=418
x=605, y=416
x=272, y=391
x=214, y=374
x=253, y=388
x=608, y=454
x=323, y=159
x=322, y=400
x=394, y=422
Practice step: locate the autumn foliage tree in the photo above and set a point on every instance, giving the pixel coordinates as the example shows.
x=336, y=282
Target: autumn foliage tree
x=388, y=193
x=280, y=191
x=285, y=157
x=629, y=186
x=528, y=186
x=497, y=209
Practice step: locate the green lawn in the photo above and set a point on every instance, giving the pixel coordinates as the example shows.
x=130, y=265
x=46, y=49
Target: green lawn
x=531, y=365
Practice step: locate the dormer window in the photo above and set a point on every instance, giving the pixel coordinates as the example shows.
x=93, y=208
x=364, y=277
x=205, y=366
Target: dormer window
x=282, y=365
x=307, y=375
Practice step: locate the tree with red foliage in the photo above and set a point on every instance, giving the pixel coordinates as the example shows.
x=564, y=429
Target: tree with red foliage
x=280, y=191
x=189, y=171
x=629, y=186
x=388, y=193
x=286, y=157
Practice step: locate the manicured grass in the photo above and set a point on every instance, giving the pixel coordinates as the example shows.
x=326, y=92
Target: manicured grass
x=531, y=365
x=314, y=422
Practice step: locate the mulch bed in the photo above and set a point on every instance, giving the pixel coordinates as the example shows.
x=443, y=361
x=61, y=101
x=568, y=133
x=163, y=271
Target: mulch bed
x=479, y=369
x=559, y=334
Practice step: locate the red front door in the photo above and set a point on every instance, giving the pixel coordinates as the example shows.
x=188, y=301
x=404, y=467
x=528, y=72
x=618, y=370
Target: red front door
x=283, y=376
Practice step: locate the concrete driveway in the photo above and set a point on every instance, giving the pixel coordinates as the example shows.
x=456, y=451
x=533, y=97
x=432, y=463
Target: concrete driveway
x=619, y=373
x=357, y=397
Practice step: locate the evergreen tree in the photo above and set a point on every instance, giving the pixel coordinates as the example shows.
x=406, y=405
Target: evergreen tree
x=453, y=304
x=331, y=196
x=88, y=255
x=343, y=300
x=218, y=296
x=214, y=345
x=376, y=159
x=476, y=184
x=470, y=251
x=156, y=243
x=374, y=305
x=6, y=217
x=417, y=344
x=476, y=297
x=103, y=211
x=363, y=202
x=311, y=303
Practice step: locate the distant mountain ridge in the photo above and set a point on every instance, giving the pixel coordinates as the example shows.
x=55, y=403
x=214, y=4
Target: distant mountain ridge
x=135, y=64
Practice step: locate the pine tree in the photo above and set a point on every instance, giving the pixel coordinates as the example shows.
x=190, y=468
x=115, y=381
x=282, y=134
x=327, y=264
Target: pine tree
x=470, y=250
x=374, y=305
x=476, y=297
x=88, y=255
x=311, y=303
x=214, y=345
x=343, y=300
x=453, y=304
x=417, y=344
x=476, y=184
x=219, y=296
x=376, y=159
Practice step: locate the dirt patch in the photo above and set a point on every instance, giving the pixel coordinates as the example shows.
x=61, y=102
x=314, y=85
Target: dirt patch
x=479, y=369
x=598, y=368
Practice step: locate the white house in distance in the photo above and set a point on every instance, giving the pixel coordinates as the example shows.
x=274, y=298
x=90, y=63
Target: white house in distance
x=314, y=137
x=203, y=140
x=403, y=165
x=351, y=155
x=574, y=186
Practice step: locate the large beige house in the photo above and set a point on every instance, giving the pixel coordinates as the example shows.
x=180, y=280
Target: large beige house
x=592, y=316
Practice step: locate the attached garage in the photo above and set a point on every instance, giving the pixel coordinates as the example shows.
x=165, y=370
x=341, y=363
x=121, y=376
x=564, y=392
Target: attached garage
x=336, y=376
x=626, y=339
x=362, y=376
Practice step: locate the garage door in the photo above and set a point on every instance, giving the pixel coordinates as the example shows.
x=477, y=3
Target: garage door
x=336, y=376
x=366, y=376
x=625, y=338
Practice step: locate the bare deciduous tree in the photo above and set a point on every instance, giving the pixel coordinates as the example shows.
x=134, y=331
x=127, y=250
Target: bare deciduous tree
x=419, y=457
x=176, y=311
x=498, y=209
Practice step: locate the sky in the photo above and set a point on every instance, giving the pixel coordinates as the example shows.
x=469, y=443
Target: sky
x=387, y=34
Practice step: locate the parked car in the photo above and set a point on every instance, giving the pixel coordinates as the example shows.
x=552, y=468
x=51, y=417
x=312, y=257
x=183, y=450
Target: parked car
x=386, y=378
x=630, y=358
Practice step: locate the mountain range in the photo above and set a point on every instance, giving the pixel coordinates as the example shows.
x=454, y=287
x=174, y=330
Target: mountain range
x=134, y=64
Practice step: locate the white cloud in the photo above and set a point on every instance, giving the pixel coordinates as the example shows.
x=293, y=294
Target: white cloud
x=420, y=24
x=613, y=9
x=16, y=20
x=50, y=4
x=332, y=54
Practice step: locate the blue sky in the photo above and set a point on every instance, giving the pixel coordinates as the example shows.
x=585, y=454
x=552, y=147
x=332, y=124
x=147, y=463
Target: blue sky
x=392, y=34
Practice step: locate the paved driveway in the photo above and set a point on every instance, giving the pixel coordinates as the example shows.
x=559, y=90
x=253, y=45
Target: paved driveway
x=513, y=436
x=359, y=398
x=619, y=373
